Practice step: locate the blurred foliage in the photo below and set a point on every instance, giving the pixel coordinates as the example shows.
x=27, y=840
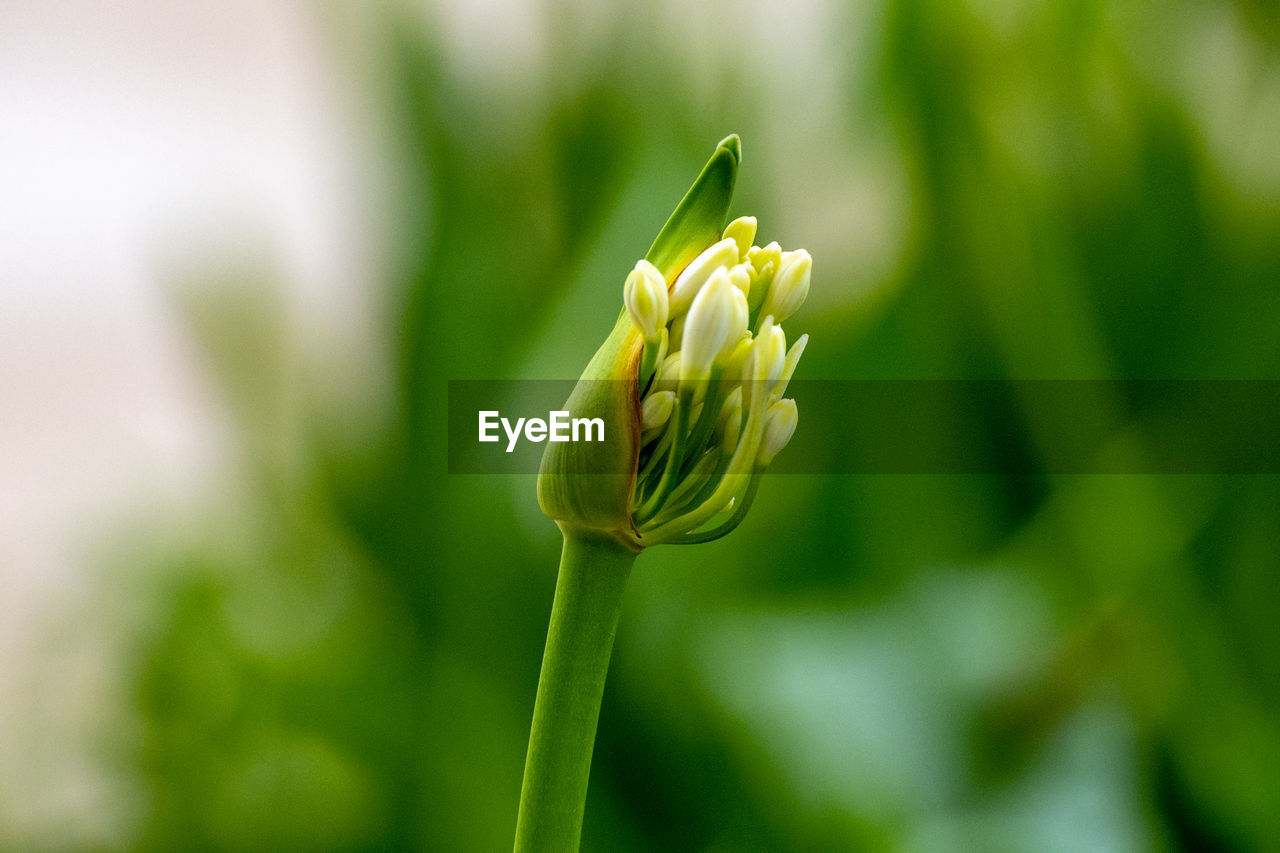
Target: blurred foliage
x=347, y=659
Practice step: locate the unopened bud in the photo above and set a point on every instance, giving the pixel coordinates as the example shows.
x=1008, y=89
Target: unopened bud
x=760, y=256
x=742, y=231
x=760, y=287
x=656, y=409
x=738, y=357
x=789, y=368
x=711, y=325
x=729, y=423
x=738, y=329
x=668, y=373
x=790, y=285
x=768, y=355
x=645, y=295
x=779, y=426
x=690, y=282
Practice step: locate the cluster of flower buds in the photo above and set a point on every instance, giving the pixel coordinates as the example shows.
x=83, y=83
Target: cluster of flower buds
x=712, y=375
x=693, y=376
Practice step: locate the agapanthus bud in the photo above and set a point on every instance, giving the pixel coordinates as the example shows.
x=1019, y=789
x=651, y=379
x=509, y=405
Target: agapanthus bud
x=768, y=355
x=788, y=369
x=668, y=373
x=790, y=285
x=742, y=231
x=738, y=327
x=645, y=295
x=656, y=409
x=780, y=425
x=729, y=424
x=761, y=256
x=691, y=451
x=765, y=260
x=690, y=282
x=738, y=357
x=675, y=338
x=710, y=326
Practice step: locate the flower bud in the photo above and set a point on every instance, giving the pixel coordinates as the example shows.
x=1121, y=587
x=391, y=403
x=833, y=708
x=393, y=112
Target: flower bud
x=655, y=411
x=742, y=231
x=738, y=328
x=788, y=369
x=729, y=423
x=768, y=355
x=740, y=277
x=761, y=256
x=668, y=373
x=675, y=338
x=765, y=261
x=710, y=326
x=790, y=285
x=645, y=295
x=780, y=425
x=690, y=282
x=737, y=358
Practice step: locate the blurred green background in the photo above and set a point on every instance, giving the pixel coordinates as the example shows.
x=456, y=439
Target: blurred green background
x=343, y=654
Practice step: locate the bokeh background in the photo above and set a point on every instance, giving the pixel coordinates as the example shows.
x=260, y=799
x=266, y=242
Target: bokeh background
x=243, y=248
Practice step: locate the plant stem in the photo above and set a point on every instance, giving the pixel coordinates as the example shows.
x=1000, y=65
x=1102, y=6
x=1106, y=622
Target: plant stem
x=584, y=618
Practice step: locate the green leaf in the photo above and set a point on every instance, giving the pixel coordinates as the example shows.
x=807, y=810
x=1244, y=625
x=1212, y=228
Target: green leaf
x=699, y=218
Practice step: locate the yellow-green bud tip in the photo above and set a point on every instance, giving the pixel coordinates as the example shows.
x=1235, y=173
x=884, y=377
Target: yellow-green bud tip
x=742, y=231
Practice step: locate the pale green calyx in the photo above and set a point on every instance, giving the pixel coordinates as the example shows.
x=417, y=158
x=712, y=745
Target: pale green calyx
x=704, y=362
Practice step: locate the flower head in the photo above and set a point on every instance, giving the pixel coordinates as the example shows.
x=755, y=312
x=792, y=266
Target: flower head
x=703, y=364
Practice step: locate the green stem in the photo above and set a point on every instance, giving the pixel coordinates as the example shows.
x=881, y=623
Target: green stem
x=584, y=617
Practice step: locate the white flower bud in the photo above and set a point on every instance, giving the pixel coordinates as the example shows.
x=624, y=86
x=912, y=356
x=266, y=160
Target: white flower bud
x=729, y=423
x=737, y=358
x=793, y=358
x=690, y=282
x=664, y=339
x=676, y=337
x=712, y=325
x=738, y=329
x=740, y=277
x=761, y=256
x=768, y=355
x=645, y=295
x=742, y=231
x=780, y=425
x=656, y=409
x=790, y=285
x=668, y=373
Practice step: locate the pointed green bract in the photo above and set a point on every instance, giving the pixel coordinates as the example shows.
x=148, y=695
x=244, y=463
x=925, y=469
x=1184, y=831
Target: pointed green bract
x=700, y=216
x=588, y=485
